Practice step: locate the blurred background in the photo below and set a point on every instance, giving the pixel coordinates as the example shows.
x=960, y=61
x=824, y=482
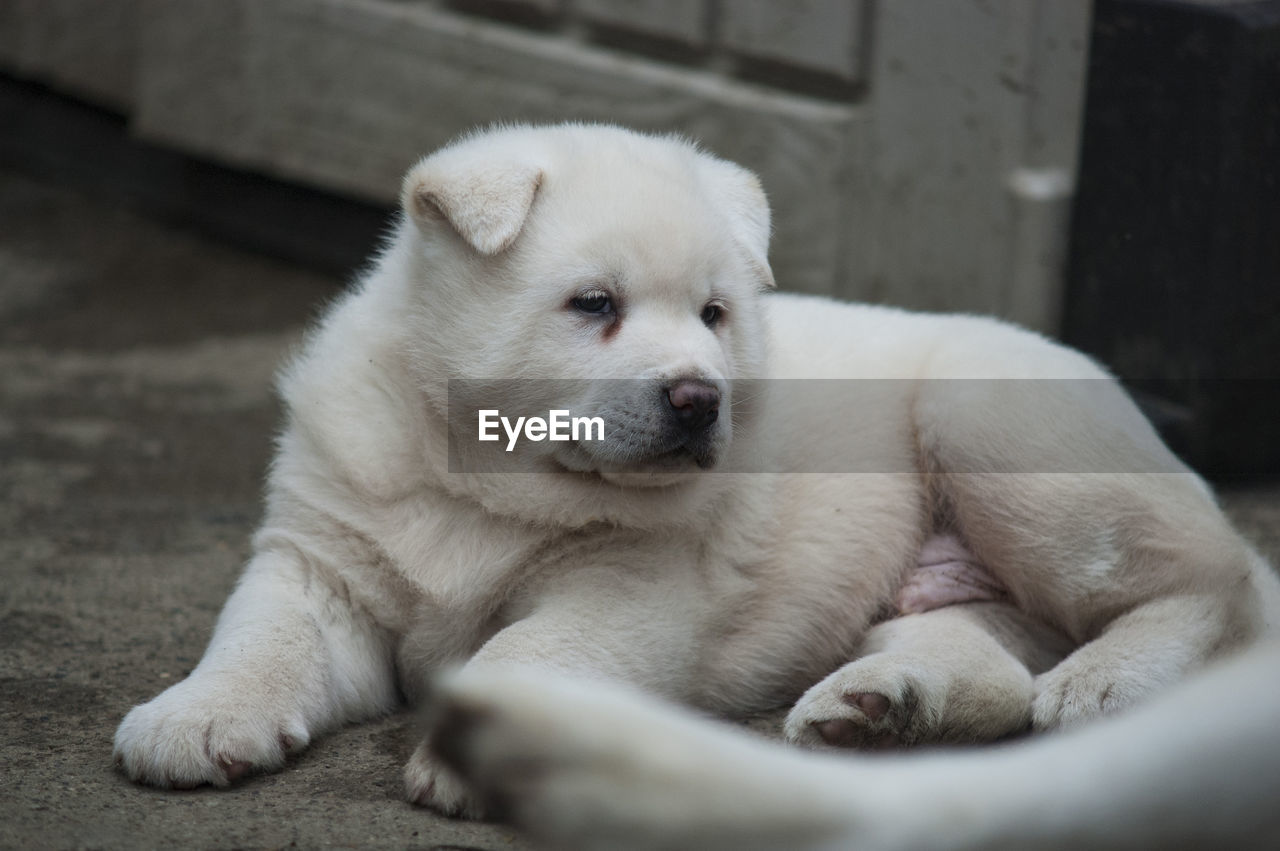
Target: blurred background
x=184, y=183
x=1103, y=173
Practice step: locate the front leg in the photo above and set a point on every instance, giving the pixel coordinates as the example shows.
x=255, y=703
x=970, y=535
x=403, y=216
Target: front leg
x=623, y=626
x=287, y=661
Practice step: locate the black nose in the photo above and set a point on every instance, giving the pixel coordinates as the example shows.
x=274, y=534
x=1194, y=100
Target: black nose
x=694, y=404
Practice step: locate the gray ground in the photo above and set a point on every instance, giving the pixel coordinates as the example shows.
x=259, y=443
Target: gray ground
x=135, y=424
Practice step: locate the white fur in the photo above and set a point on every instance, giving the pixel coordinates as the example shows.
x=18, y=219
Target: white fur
x=588, y=766
x=733, y=591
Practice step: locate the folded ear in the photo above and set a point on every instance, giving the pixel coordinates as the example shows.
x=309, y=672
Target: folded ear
x=482, y=195
x=748, y=211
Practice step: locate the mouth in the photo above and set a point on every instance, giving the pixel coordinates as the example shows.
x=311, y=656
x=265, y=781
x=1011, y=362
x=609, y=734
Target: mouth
x=682, y=459
x=682, y=456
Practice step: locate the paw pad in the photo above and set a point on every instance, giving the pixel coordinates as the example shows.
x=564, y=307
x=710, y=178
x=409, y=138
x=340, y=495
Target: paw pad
x=851, y=733
x=873, y=705
x=234, y=768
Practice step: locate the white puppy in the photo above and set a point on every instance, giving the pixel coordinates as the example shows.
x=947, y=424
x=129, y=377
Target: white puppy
x=733, y=537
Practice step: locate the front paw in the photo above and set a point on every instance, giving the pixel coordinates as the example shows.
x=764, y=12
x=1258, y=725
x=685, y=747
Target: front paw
x=428, y=783
x=1080, y=689
x=204, y=732
x=872, y=703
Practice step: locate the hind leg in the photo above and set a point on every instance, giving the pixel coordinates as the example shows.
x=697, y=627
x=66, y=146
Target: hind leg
x=1147, y=649
x=1064, y=491
x=963, y=673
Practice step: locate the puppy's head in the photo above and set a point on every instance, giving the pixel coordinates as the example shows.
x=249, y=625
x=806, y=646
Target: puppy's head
x=625, y=268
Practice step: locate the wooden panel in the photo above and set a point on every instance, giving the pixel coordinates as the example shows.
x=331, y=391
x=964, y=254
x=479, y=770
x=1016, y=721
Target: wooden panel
x=682, y=20
x=13, y=26
x=346, y=94
x=1041, y=188
x=969, y=178
x=516, y=10
x=816, y=35
x=191, y=72
x=546, y=7
x=946, y=185
x=85, y=47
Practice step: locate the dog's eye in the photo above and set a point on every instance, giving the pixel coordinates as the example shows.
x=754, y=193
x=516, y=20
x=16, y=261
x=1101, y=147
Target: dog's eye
x=595, y=301
x=711, y=314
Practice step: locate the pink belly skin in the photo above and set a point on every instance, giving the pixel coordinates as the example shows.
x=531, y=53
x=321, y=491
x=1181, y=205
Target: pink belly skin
x=945, y=574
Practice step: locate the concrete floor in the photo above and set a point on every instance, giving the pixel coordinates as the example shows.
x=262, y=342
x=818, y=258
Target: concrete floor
x=135, y=424
x=136, y=417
